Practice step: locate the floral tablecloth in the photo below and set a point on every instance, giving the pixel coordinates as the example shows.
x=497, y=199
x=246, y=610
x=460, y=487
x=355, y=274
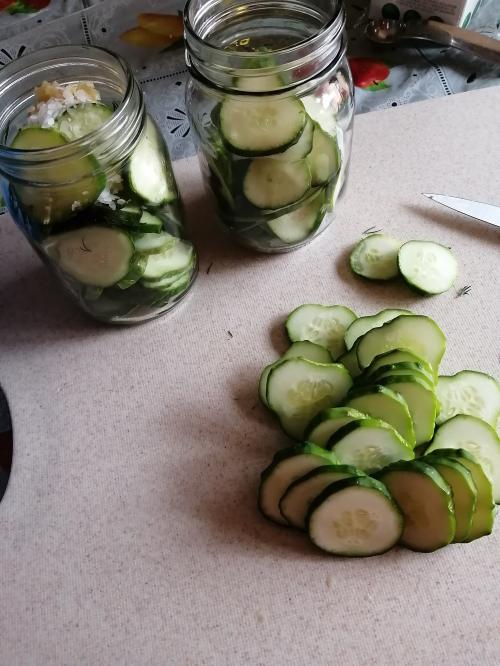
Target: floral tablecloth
x=385, y=77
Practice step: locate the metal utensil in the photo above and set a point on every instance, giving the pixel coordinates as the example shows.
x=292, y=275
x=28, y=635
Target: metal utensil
x=476, y=209
x=384, y=31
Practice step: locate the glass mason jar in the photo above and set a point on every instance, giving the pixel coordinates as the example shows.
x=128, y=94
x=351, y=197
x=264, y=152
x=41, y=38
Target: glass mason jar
x=271, y=99
x=86, y=175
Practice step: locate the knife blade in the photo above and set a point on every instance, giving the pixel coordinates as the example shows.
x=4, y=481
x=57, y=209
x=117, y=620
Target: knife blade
x=476, y=209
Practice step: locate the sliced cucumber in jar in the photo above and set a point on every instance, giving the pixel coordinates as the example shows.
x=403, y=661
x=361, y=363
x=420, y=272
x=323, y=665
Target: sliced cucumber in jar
x=298, y=225
x=175, y=259
x=262, y=83
x=150, y=173
x=153, y=243
x=300, y=149
x=273, y=184
x=323, y=324
x=261, y=126
x=136, y=271
x=70, y=184
x=78, y=121
x=324, y=158
x=355, y=517
x=323, y=115
x=95, y=256
x=376, y=257
x=135, y=219
x=428, y=267
x=298, y=389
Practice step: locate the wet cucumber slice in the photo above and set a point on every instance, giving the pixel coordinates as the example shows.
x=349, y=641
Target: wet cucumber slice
x=298, y=389
x=469, y=392
x=369, y=445
x=463, y=489
x=78, y=121
x=418, y=370
x=484, y=514
x=271, y=184
x=323, y=324
x=421, y=401
x=150, y=175
x=376, y=257
x=305, y=349
x=395, y=357
x=355, y=517
x=381, y=402
x=477, y=437
x=287, y=466
x=294, y=504
x=95, y=256
x=350, y=361
x=261, y=126
x=175, y=259
x=324, y=158
x=427, y=266
x=301, y=149
x=364, y=324
x=70, y=184
x=327, y=422
x=426, y=503
x=420, y=335
x=298, y=225
x=154, y=243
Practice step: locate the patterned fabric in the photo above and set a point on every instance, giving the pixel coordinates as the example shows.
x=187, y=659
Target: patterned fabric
x=385, y=77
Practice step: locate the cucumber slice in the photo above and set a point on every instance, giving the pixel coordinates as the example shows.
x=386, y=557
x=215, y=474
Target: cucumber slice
x=324, y=158
x=175, y=259
x=355, y=517
x=484, y=515
x=369, y=445
x=78, y=121
x=395, y=357
x=362, y=325
x=261, y=126
x=420, y=335
x=350, y=361
x=463, y=490
x=421, y=401
x=305, y=349
x=302, y=148
x=376, y=257
x=135, y=272
x=95, y=256
x=327, y=422
x=324, y=117
x=323, y=324
x=177, y=287
x=298, y=225
x=154, y=243
x=426, y=503
x=298, y=389
x=418, y=370
x=150, y=174
x=168, y=281
x=147, y=223
x=294, y=504
x=469, y=392
x=70, y=184
x=382, y=403
x=287, y=466
x=429, y=267
x=262, y=83
x=272, y=184
x=477, y=437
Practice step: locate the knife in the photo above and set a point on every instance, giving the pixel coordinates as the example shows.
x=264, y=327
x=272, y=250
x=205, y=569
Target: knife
x=476, y=209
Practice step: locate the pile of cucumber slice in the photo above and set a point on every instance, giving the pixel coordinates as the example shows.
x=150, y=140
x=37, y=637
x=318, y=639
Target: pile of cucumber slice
x=363, y=396
x=426, y=266
x=273, y=167
x=121, y=255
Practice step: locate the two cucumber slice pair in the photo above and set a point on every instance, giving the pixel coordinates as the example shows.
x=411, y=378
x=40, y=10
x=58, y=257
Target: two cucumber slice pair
x=426, y=266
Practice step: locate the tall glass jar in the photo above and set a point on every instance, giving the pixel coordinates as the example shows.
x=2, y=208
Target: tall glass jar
x=271, y=99
x=86, y=175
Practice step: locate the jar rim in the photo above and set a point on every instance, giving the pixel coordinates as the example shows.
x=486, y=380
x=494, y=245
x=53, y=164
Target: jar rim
x=36, y=62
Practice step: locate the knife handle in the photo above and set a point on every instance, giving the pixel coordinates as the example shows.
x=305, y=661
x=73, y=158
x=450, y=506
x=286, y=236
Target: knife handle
x=468, y=38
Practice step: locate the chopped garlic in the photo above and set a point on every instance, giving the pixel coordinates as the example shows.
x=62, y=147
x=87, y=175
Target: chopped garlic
x=54, y=98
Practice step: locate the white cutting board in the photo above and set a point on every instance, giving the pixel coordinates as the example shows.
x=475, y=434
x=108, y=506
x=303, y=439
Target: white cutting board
x=129, y=532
